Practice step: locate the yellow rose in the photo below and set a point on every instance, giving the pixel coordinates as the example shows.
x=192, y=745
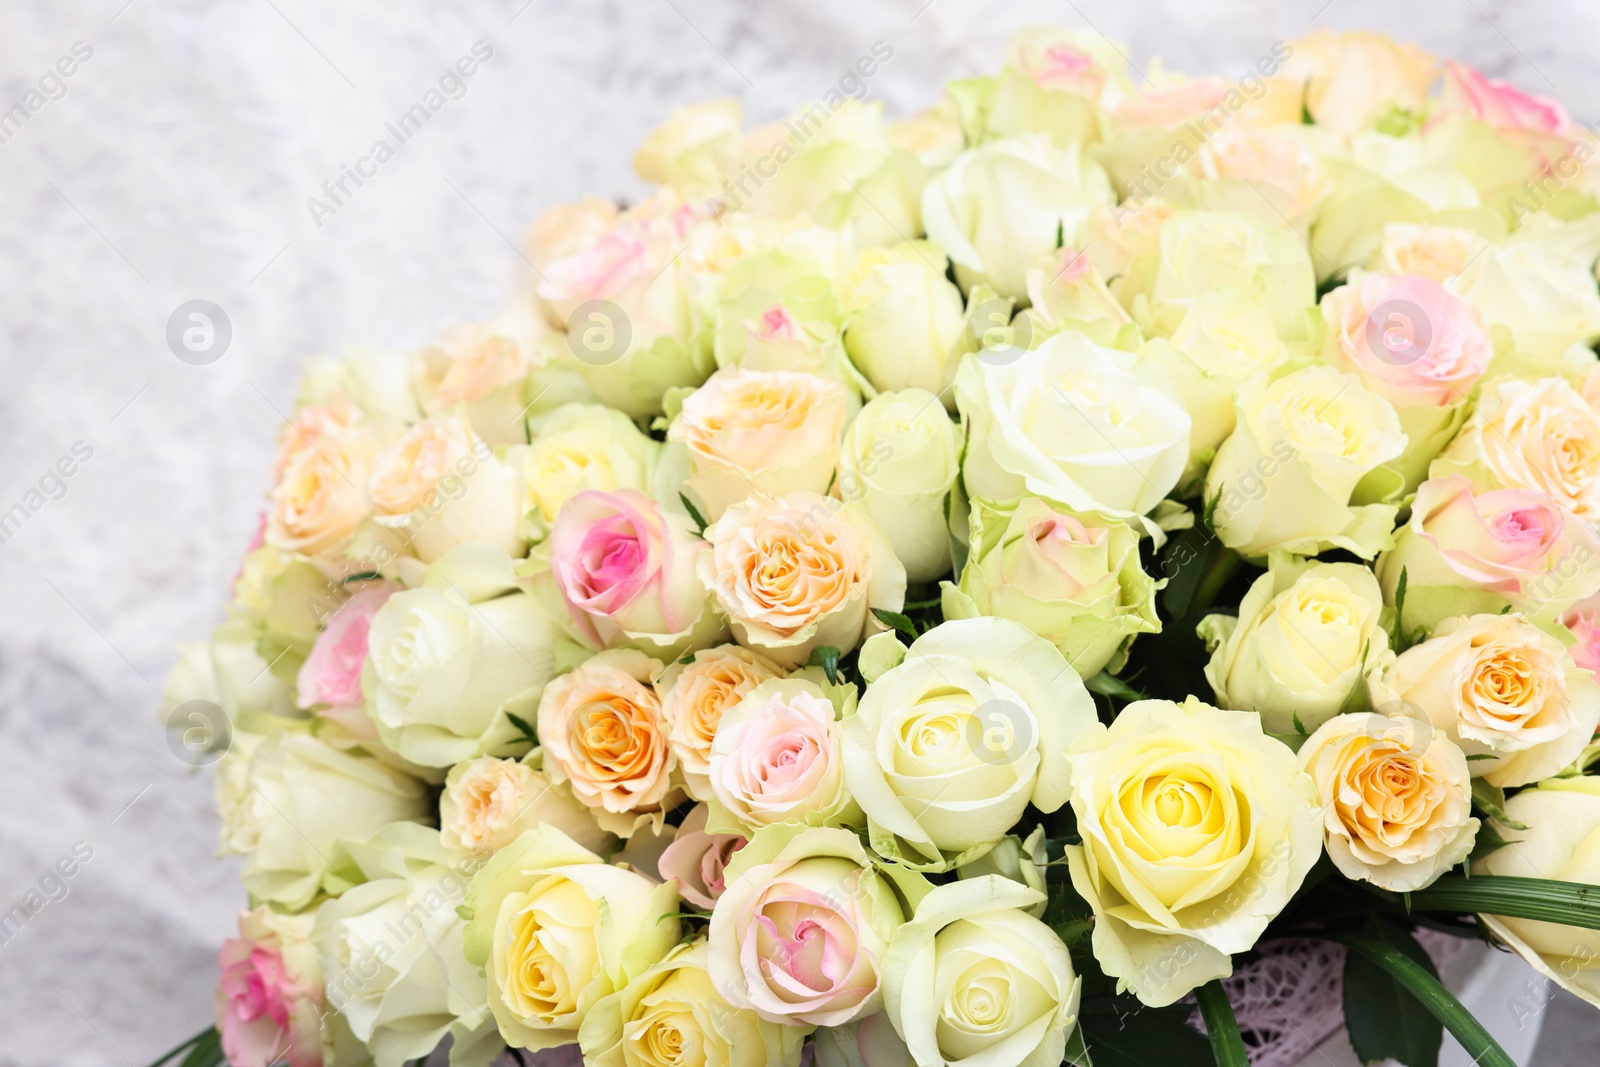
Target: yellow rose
x=1396, y=799
x=1197, y=829
x=574, y=448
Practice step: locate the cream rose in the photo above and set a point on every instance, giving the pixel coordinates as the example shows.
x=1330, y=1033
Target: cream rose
x=800, y=930
x=950, y=747
x=555, y=928
x=1197, y=829
x=1306, y=636
x=766, y=432
x=1076, y=582
x=483, y=368
x=442, y=487
x=800, y=571
x=693, y=149
x=1396, y=799
x=972, y=977
x=901, y=458
x=574, y=448
x=1561, y=842
x=601, y=730
x=1353, y=79
x=776, y=758
x=1287, y=478
x=1070, y=421
x=672, y=1016
x=694, y=697
x=1437, y=253
x=1498, y=686
x=320, y=497
x=1203, y=252
x=903, y=318
x=488, y=802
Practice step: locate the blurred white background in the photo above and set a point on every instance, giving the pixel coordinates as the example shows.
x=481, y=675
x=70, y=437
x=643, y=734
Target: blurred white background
x=177, y=166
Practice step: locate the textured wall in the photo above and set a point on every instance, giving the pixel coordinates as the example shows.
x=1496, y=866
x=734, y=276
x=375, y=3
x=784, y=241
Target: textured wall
x=176, y=167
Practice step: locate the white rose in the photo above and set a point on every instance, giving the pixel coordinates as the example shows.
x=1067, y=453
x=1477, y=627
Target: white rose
x=904, y=318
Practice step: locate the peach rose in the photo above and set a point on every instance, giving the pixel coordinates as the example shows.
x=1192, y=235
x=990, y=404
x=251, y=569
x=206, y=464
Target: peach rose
x=442, y=486
x=1410, y=340
x=697, y=860
x=694, y=697
x=1353, y=79
x=760, y=432
x=483, y=367
x=1437, y=253
x=601, y=729
x=318, y=501
x=776, y=758
x=800, y=571
x=488, y=802
x=1280, y=168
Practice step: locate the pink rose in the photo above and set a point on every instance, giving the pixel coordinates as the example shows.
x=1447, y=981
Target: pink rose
x=269, y=1001
x=1583, y=619
x=776, y=758
x=331, y=674
x=625, y=571
x=696, y=860
x=1412, y=341
x=1502, y=105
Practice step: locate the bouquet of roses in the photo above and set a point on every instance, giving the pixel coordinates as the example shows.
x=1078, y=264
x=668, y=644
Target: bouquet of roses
x=919, y=592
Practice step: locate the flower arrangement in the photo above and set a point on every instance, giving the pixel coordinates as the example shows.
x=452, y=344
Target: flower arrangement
x=921, y=591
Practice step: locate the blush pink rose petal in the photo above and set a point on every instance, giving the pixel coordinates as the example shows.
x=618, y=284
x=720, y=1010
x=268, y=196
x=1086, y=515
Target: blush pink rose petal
x=697, y=861
x=1411, y=340
x=331, y=674
x=268, y=1009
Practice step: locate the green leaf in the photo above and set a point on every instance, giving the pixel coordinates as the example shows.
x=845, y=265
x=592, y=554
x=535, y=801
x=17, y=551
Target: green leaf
x=522, y=724
x=1568, y=903
x=827, y=657
x=209, y=1033
x=1384, y=1021
x=1109, y=685
x=694, y=513
x=1400, y=612
x=1227, y=1044
x=1118, y=1031
x=1189, y=557
x=1491, y=800
x=363, y=576
x=1061, y=233
x=1489, y=840
x=1417, y=979
x=686, y=659
x=896, y=621
x=1481, y=755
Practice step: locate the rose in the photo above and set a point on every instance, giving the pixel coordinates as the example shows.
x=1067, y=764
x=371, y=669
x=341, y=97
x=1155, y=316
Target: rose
x=973, y=977
x=319, y=498
x=269, y=999
x=391, y=948
x=694, y=697
x=672, y=1015
x=1500, y=104
x=1562, y=817
x=555, y=928
x=483, y=368
x=1409, y=339
x=1075, y=582
x=766, y=432
x=1287, y=477
x=1531, y=435
x=776, y=758
x=697, y=860
x=441, y=485
x=330, y=678
x=1396, y=799
x=1498, y=686
x=950, y=747
x=488, y=802
x=1019, y=861
x=228, y=671
x=623, y=572
x=1069, y=421
x=1540, y=288
x=1306, y=636
x=1465, y=552
x=1202, y=252
x=934, y=136
x=1197, y=829
x=1582, y=620
x=1278, y=173
x=692, y=150
x=802, y=924
x=601, y=729
x=901, y=456
x=867, y=1042
x=1000, y=206
x=1055, y=81
x=574, y=448
x=446, y=662
x=1066, y=291
x=904, y=318
x=1437, y=253
x=1353, y=79
x=800, y=571
x=287, y=798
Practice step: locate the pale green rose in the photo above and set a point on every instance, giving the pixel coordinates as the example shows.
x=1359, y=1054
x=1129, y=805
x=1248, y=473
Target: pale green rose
x=377, y=381
x=672, y=1016
x=1075, y=581
x=904, y=317
x=867, y=1042
x=1001, y=206
x=949, y=748
x=286, y=600
x=1197, y=830
x=1562, y=843
x=1072, y=422
x=446, y=663
x=1539, y=284
x=287, y=798
x=1306, y=636
x=1055, y=82
x=226, y=670
x=1286, y=479
x=1204, y=252
x=692, y=150
x=1505, y=691
x=973, y=978
x=574, y=448
x=1066, y=291
x=556, y=929
x=1020, y=861
x=391, y=950
x=900, y=458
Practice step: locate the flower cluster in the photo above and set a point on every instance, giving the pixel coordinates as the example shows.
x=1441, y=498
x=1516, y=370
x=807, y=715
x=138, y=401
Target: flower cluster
x=967, y=566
